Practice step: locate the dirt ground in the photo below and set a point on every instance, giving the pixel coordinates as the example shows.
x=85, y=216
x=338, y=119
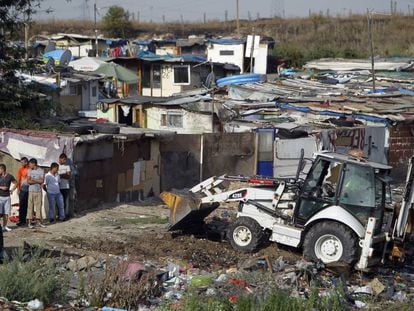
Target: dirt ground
x=139, y=231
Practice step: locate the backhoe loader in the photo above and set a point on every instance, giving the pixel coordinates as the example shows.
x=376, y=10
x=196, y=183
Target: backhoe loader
x=340, y=210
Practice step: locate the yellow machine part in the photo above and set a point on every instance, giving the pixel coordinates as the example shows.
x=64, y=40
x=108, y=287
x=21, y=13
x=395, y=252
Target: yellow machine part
x=186, y=209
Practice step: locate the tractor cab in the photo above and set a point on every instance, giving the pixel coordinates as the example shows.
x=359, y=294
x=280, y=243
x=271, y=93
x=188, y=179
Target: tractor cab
x=353, y=184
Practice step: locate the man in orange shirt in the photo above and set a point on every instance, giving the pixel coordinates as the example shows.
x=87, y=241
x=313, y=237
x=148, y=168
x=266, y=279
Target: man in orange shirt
x=23, y=187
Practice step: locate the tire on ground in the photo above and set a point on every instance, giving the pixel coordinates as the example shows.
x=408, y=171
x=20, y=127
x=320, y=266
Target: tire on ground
x=250, y=226
x=345, y=235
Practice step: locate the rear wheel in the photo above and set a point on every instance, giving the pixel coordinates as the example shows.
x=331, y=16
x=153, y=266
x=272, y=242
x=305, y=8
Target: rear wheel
x=245, y=234
x=330, y=241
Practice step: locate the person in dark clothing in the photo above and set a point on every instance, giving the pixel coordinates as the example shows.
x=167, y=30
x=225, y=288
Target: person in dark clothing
x=6, y=180
x=23, y=187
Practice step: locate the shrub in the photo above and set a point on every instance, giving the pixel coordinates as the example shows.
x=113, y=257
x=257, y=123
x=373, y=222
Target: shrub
x=27, y=277
x=113, y=289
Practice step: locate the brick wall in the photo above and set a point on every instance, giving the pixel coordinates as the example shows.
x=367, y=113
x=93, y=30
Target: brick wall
x=401, y=148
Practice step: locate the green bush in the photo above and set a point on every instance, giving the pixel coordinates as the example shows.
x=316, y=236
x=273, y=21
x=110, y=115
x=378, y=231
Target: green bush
x=24, y=278
x=291, y=53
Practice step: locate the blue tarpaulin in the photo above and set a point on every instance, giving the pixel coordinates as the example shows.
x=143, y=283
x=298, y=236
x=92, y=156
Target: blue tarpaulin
x=226, y=41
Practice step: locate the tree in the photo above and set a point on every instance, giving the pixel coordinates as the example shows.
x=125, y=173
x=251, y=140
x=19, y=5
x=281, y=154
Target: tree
x=19, y=101
x=116, y=22
x=13, y=16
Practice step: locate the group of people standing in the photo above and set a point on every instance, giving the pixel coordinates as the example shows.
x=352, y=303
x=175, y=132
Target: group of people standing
x=30, y=181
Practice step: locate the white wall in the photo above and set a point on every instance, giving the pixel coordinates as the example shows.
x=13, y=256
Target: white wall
x=89, y=101
x=193, y=123
x=168, y=87
x=213, y=54
x=260, y=61
x=167, y=81
x=80, y=51
x=146, y=91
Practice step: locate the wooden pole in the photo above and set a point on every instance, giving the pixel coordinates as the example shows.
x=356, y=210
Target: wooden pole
x=251, y=52
x=237, y=17
x=371, y=40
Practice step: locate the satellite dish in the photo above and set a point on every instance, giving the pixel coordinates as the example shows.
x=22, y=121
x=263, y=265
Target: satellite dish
x=51, y=46
x=65, y=58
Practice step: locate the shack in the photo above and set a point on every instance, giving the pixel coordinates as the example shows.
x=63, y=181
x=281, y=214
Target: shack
x=106, y=168
x=183, y=115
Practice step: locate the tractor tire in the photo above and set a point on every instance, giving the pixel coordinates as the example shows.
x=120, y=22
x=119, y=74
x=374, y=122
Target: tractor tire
x=245, y=234
x=330, y=241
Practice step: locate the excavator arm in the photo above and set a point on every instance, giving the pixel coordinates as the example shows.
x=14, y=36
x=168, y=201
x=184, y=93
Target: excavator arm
x=189, y=208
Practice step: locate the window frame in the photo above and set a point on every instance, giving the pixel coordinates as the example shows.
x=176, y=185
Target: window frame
x=165, y=119
x=188, y=73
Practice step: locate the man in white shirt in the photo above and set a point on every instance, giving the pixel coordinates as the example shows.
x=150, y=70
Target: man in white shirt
x=52, y=180
x=65, y=174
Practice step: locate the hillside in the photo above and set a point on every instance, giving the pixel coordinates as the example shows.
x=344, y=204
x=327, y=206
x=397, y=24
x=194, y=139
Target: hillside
x=298, y=39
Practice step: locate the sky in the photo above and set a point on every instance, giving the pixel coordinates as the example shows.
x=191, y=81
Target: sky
x=194, y=10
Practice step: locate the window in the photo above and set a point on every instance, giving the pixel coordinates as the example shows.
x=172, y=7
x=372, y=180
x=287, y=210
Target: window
x=94, y=91
x=358, y=186
x=146, y=76
x=156, y=76
x=226, y=53
x=73, y=90
x=172, y=119
x=182, y=75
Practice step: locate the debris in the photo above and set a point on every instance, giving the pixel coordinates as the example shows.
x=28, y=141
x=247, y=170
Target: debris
x=82, y=263
x=35, y=304
x=221, y=278
x=377, y=286
x=134, y=270
x=338, y=268
x=112, y=309
x=400, y=296
x=211, y=292
x=201, y=280
x=279, y=264
x=359, y=304
x=364, y=290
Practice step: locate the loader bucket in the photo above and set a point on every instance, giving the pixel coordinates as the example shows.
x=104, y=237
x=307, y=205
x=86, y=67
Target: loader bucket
x=186, y=210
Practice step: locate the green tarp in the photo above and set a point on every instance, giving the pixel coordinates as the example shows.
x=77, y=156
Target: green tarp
x=112, y=70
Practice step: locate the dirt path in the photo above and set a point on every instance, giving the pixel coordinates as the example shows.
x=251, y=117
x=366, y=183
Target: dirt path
x=136, y=230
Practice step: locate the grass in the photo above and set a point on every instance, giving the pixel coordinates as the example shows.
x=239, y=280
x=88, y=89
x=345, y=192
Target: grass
x=276, y=300
x=25, y=277
x=131, y=221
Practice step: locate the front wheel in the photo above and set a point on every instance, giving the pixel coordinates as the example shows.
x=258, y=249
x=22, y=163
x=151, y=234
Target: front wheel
x=245, y=234
x=330, y=241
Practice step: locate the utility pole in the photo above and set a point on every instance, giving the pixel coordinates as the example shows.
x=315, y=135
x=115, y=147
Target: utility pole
x=205, y=18
x=96, y=29
x=237, y=17
x=371, y=40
